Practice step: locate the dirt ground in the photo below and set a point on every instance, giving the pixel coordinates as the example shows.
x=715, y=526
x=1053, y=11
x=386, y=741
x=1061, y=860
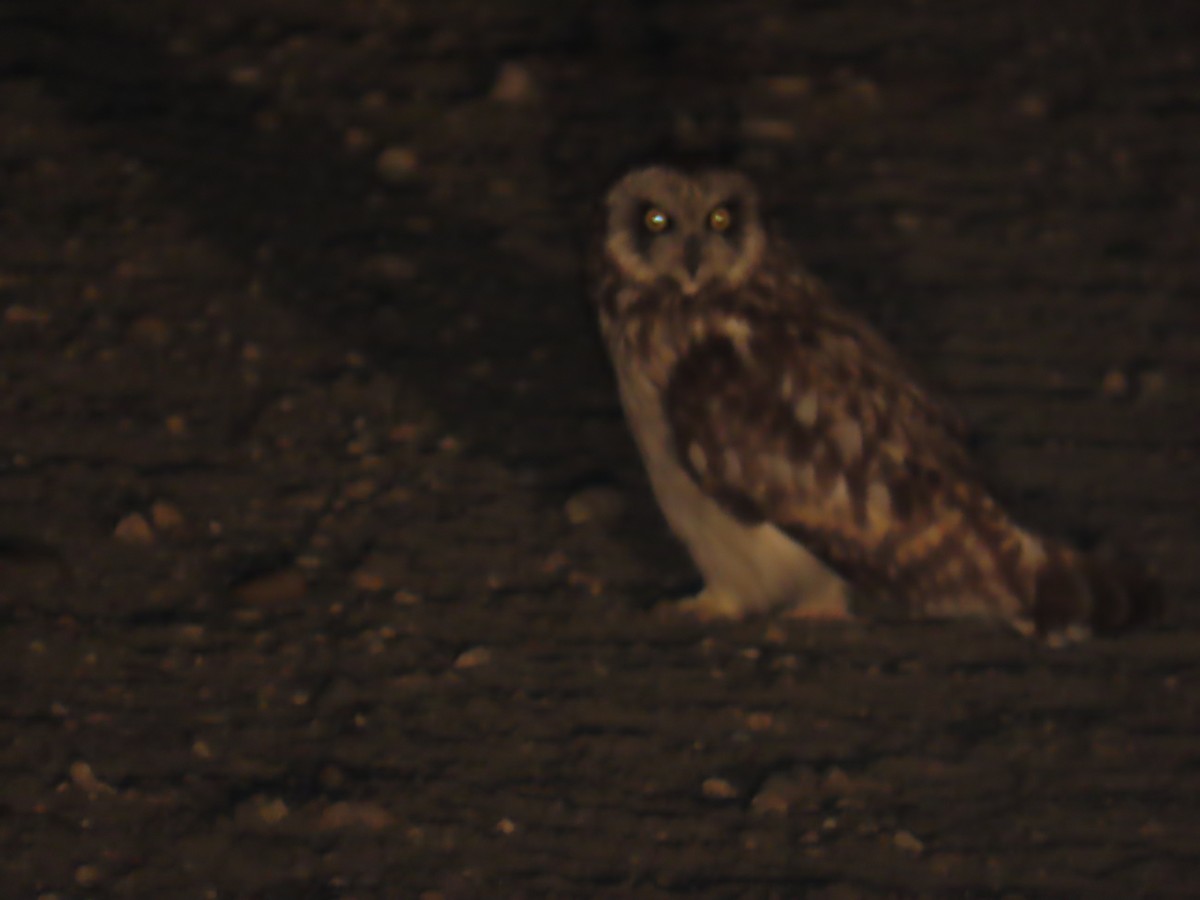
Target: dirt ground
x=327, y=564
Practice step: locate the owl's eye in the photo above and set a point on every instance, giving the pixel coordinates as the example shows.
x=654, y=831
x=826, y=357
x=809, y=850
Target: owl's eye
x=720, y=219
x=656, y=221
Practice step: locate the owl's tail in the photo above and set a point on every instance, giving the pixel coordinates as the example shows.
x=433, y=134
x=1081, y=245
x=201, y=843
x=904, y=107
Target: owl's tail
x=1105, y=592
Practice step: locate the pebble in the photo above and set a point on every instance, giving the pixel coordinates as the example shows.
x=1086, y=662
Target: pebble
x=514, y=84
x=272, y=811
x=1033, y=106
x=908, y=842
x=362, y=489
x=1115, y=384
x=356, y=140
x=245, y=76
x=406, y=598
x=85, y=779
x=718, y=789
x=473, y=658
x=345, y=814
x=366, y=580
x=789, y=86
x=87, y=875
x=783, y=791
x=594, y=504
x=166, y=516
x=390, y=268
x=134, y=529
x=760, y=721
x=397, y=165
x=18, y=314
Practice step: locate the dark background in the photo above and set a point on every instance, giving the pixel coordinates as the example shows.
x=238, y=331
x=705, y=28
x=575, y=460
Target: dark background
x=326, y=563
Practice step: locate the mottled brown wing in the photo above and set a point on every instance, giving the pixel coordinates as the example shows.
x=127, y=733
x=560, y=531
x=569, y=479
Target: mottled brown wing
x=813, y=425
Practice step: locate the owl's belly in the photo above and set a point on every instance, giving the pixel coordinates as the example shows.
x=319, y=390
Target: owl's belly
x=756, y=565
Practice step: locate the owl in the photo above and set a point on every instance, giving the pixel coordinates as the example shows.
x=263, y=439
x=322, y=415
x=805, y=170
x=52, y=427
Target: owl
x=788, y=445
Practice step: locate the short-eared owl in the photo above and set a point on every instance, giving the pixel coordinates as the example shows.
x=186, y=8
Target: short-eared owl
x=789, y=447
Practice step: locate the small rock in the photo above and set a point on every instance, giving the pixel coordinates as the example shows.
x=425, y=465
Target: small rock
x=166, y=516
x=760, y=721
x=390, y=268
x=366, y=580
x=134, y=529
x=514, y=84
x=718, y=789
x=272, y=811
x=87, y=875
x=1033, y=106
x=245, y=76
x=407, y=432
x=374, y=101
x=784, y=791
x=908, y=842
x=356, y=140
x=773, y=634
x=473, y=658
x=506, y=826
x=397, y=165
x=1115, y=384
x=362, y=489
x=838, y=782
x=864, y=91
x=85, y=779
x=789, y=86
x=381, y=570
x=282, y=586
x=594, y=504
x=25, y=315
x=345, y=814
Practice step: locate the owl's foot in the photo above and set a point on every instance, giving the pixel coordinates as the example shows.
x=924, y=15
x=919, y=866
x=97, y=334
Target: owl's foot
x=710, y=605
x=829, y=605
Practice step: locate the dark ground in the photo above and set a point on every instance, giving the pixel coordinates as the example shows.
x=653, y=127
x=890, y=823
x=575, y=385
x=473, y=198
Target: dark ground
x=293, y=428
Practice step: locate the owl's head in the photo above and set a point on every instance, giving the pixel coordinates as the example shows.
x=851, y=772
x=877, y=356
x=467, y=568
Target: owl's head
x=696, y=230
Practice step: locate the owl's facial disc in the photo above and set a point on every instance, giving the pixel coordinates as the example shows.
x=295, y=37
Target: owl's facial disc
x=695, y=232
x=695, y=247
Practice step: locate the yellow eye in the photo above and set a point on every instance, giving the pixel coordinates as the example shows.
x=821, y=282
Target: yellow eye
x=656, y=220
x=720, y=219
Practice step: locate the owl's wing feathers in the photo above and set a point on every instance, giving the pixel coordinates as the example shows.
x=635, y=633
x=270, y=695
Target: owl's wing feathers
x=815, y=426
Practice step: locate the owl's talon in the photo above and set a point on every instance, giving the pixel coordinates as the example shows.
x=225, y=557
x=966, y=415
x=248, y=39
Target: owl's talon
x=822, y=602
x=708, y=606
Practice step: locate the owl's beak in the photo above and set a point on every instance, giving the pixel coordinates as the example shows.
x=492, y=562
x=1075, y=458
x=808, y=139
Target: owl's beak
x=691, y=256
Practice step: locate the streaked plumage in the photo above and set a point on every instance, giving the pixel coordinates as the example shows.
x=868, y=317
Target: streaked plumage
x=789, y=447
